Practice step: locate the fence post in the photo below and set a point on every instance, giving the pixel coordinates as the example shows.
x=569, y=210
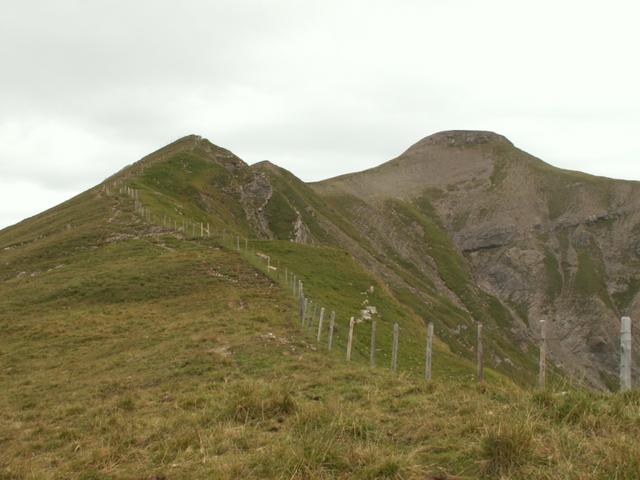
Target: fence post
x=429, y=352
x=625, y=354
x=542, y=366
x=304, y=302
x=201, y=229
x=480, y=355
x=394, y=351
x=332, y=323
x=320, y=324
x=372, y=347
x=307, y=309
x=295, y=293
x=313, y=315
x=350, y=341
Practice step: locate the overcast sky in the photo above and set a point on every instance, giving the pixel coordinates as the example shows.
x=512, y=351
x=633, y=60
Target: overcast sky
x=319, y=87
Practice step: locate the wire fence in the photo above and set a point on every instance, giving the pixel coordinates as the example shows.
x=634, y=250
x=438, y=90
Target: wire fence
x=325, y=327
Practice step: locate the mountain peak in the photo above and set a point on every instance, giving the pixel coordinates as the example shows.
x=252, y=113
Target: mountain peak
x=460, y=138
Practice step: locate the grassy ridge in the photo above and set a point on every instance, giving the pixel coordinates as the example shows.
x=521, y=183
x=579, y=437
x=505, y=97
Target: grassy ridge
x=160, y=357
x=335, y=281
x=129, y=351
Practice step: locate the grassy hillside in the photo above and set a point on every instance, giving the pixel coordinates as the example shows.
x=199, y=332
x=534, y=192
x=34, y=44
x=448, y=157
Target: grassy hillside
x=130, y=350
x=133, y=353
x=334, y=220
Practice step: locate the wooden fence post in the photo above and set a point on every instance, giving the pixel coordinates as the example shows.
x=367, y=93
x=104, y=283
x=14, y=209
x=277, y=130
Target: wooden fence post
x=427, y=362
x=625, y=354
x=313, y=315
x=479, y=355
x=350, y=341
x=307, y=309
x=305, y=306
x=237, y=243
x=320, y=320
x=542, y=365
x=394, y=351
x=372, y=346
x=295, y=293
x=246, y=244
x=201, y=229
x=332, y=323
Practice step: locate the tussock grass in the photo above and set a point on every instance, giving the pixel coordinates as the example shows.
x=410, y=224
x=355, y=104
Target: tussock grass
x=507, y=448
x=257, y=401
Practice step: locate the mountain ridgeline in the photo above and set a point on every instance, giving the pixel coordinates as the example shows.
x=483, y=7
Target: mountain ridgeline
x=463, y=227
x=149, y=327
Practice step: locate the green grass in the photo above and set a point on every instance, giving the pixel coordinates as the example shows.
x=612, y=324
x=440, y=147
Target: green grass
x=128, y=351
x=480, y=306
x=590, y=276
x=334, y=280
x=554, y=279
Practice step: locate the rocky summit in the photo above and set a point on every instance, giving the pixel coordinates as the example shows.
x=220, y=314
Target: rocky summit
x=547, y=244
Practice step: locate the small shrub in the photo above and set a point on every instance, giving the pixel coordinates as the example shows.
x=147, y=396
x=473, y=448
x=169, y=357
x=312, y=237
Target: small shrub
x=506, y=449
x=544, y=400
x=571, y=407
x=575, y=406
x=258, y=401
x=329, y=419
x=630, y=398
x=127, y=404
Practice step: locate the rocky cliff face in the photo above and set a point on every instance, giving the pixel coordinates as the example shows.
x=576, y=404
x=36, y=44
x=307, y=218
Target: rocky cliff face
x=548, y=243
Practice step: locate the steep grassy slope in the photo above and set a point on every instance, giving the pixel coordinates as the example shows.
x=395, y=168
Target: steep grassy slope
x=128, y=350
x=409, y=248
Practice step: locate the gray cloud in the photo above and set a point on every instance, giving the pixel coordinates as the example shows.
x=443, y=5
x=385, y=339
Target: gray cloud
x=321, y=88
